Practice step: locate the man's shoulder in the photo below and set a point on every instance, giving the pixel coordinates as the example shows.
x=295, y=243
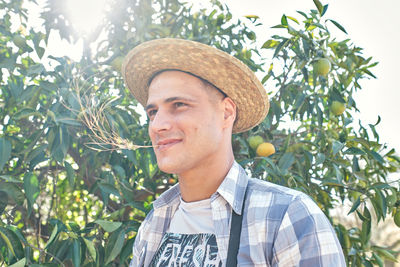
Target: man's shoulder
x=263, y=196
x=260, y=187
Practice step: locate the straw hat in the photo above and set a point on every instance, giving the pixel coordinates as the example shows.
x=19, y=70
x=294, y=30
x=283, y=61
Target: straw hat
x=224, y=71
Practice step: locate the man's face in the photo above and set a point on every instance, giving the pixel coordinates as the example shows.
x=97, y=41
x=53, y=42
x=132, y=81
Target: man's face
x=186, y=120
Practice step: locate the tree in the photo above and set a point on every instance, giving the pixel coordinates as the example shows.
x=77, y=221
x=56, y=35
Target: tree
x=64, y=203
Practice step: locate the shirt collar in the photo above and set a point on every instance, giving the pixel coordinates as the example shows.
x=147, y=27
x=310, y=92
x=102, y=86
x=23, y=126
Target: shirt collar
x=232, y=189
x=168, y=198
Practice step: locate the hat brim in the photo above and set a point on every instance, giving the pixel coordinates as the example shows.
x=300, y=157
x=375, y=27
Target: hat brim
x=222, y=70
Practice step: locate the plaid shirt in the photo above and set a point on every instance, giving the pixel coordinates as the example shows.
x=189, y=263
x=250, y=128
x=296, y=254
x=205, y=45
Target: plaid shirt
x=281, y=226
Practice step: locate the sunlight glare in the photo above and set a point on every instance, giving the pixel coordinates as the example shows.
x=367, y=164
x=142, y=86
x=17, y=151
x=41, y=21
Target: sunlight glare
x=85, y=15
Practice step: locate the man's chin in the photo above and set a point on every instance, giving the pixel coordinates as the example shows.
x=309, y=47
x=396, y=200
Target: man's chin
x=168, y=167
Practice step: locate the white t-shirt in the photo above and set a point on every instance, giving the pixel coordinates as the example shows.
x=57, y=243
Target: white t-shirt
x=190, y=239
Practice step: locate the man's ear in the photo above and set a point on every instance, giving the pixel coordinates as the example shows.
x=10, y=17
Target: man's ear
x=229, y=111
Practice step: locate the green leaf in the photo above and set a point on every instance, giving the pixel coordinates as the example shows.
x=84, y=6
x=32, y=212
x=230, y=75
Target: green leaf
x=302, y=13
x=70, y=173
x=3, y=201
x=320, y=158
x=319, y=6
x=20, y=263
x=74, y=227
x=284, y=20
x=76, y=253
x=279, y=26
x=386, y=254
x=39, y=150
x=68, y=121
x=5, y=152
x=10, y=179
x=355, y=205
x=281, y=45
x=109, y=189
x=119, y=171
x=377, y=157
x=378, y=259
x=336, y=147
x=35, y=69
x=108, y=226
x=13, y=192
x=362, y=217
x=6, y=240
x=60, y=143
x=368, y=72
x=113, y=249
x=338, y=25
x=251, y=16
x=286, y=161
x=365, y=231
x=13, y=242
x=325, y=9
x=379, y=204
x=354, y=151
x=380, y=185
x=366, y=262
x=137, y=205
x=127, y=250
x=334, y=182
x=339, y=174
x=270, y=44
x=52, y=236
x=31, y=187
x=25, y=113
x=293, y=19
x=91, y=248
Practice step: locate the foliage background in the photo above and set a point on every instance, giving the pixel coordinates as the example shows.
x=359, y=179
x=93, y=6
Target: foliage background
x=62, y=203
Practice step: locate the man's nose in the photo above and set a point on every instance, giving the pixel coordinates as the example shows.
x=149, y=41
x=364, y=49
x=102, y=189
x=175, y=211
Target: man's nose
x=160, y=122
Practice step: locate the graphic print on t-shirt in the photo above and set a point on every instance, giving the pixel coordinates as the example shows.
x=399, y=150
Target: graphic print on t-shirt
x=187, y=250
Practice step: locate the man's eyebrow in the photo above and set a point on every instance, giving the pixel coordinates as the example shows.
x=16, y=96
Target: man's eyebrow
x=169, y=100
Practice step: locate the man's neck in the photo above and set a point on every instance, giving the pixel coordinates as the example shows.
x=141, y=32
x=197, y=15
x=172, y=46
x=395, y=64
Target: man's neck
x=202, y=182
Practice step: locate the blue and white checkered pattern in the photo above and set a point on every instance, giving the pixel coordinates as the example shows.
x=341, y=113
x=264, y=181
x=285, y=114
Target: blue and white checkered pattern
x=281, y=226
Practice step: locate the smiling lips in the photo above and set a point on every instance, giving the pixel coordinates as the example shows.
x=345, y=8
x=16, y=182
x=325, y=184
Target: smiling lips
x=167, y=143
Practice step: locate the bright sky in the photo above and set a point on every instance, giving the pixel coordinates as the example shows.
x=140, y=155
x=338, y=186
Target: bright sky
x=370, y=24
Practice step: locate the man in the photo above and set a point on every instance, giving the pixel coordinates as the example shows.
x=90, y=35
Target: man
x=195, y=97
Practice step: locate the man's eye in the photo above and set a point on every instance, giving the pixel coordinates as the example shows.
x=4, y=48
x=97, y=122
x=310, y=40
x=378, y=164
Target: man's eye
x=151, y=113
x=179, y=104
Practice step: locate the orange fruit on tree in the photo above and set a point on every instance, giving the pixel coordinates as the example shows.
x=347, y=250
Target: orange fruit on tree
x=265, y=149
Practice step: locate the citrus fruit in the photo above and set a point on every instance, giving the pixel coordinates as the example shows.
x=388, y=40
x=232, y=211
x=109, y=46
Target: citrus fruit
x=322, y=66
x=397, y=218
x=391, y=200
x=338, y=108
x=265, y=149
x=254, y=141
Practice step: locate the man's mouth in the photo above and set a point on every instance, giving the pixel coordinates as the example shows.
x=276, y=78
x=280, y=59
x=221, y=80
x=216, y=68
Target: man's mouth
x=167, y=143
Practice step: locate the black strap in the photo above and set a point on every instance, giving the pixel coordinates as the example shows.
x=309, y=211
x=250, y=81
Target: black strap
x=234, y=236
